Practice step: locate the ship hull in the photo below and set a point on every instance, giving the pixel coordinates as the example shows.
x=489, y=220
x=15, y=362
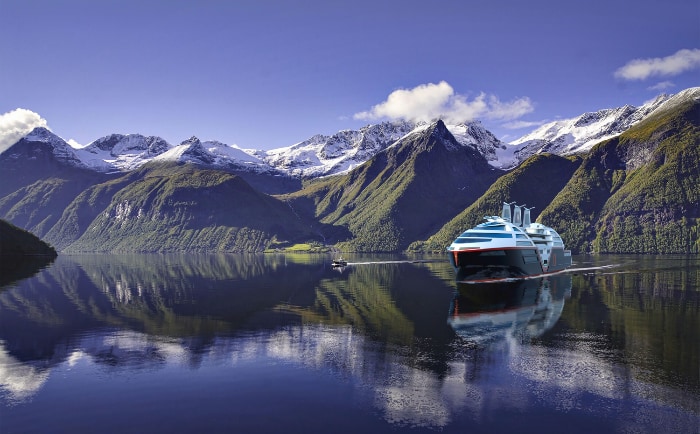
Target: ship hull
x=559, y=260
x=498, y=263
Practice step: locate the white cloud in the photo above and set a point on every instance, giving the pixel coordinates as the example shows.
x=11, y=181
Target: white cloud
x=662, y=86
x=508, y=110
x=677, y=63
x=430, y=101
x=16, y=124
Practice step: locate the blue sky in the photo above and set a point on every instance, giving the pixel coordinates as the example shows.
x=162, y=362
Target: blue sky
x=267, y=74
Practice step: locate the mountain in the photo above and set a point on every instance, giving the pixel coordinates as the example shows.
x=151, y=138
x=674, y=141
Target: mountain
x=38, y=154
x=640, y=191
x=323, y=155
x=327, y=155
x=212, y=154
x=317, y=156
x=16, y=241
x=118, y=152
x=41, y=175
x=177, y=207
x=534, y=184
x=401, y=194
x=330, y=155
x=579, y=134
x=388, y=187
x=218, y=156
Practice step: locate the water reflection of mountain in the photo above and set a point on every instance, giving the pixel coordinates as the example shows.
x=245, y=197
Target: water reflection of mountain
x=15, y=268
x=129, y=311
x=521, y=309
x=200, y=297
x=389, y=328
x=165, y=295
x=643, y=311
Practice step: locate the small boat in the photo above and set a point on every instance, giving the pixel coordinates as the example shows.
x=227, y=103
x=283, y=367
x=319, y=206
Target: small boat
x=503, y=248
x=340, y=262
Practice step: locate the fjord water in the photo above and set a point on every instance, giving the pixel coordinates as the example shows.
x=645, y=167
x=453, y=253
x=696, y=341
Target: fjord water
x=285, y=343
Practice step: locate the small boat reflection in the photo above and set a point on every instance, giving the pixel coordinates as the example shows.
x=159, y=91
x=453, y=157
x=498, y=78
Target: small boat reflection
x=340, y=262
x=525, y=308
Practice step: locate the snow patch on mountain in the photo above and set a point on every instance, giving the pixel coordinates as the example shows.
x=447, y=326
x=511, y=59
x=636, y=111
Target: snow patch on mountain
x=580, y=134
x=669, y=102
x=473, y=134
x=216, y=154
x=118, y=152
x=60, y=149
x=323, y=155
x=328, y=155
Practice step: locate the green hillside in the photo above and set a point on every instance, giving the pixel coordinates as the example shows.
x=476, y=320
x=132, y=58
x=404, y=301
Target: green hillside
x=636, y=193
x=402, y=194
x=35, y=187
x=534, y=183
x=38, y=206
x=85, y=208
x=182, y=208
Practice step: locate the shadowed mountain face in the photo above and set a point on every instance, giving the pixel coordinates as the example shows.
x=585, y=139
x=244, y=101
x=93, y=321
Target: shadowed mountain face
x=634, y=193
x=534, y=184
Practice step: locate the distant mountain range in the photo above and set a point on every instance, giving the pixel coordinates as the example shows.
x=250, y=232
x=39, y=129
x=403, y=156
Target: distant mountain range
x=323, y=155
x=387, y=187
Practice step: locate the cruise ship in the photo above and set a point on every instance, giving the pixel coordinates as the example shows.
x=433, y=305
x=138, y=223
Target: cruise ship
x=505, y=247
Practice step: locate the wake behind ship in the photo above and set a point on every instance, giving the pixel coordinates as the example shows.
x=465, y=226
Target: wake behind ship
x=503, y=247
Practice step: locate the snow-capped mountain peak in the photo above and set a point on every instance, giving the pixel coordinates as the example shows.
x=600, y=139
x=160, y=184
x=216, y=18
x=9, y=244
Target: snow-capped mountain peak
x=189, y=151
x=475, y=135
x=216, y=154
x=50, y=142
x=579, y=134
x=118, y=152
x=323, y=155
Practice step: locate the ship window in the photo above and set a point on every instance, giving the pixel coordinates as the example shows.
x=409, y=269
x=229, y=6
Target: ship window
x=521, y=236
x=466, y=240
x=486, y=234
x=523, y=243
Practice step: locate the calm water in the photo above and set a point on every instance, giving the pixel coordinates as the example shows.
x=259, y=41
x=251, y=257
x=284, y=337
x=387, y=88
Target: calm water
x=271, y=343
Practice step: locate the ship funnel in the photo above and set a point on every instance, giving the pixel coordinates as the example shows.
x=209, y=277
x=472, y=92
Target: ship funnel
x=506, y=211
x=526, y=217
x=517, y=216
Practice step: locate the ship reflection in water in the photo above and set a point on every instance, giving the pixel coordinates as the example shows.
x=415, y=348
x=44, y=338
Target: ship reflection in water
x=520, y=309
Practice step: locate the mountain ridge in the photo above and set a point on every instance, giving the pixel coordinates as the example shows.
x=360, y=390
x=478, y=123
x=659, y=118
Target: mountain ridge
x=322, y=155
x=412, y=194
